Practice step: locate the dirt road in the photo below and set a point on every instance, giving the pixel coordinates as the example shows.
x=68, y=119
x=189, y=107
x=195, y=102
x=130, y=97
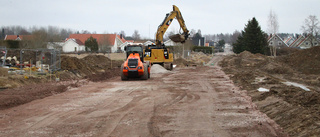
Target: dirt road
x=192, y=101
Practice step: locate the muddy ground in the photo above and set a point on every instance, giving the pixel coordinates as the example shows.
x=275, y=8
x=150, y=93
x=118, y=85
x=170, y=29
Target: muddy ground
x=192, y=100
x=75, y=72
x=295, y=109
x=188, y=101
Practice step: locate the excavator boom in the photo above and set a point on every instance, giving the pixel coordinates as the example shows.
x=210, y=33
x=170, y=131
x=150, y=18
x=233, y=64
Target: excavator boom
x=166, y=23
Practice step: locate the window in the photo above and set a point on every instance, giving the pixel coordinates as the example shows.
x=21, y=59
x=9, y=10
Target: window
x=279, y=43
x=271, y=43
x=307, y=43
x=315, y=44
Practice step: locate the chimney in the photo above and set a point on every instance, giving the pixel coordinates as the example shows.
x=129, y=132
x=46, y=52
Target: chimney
x=120, y=36
x=17, y=36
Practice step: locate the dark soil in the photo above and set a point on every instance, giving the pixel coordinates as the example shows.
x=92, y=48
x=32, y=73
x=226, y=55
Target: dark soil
x=14, y=97
x=296, y=110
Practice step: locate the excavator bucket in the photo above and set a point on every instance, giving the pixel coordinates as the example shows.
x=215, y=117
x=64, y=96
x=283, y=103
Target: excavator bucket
x=177, y=38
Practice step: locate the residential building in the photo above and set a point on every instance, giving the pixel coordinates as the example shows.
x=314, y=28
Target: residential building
x=18, y=37
x=289, y=40
x=106, y=42
x=295, y=43
x=276, y=41
x=305, y=42
x=171, y=43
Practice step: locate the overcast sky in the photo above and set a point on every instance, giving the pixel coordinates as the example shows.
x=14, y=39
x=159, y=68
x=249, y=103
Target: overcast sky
x=110, y=16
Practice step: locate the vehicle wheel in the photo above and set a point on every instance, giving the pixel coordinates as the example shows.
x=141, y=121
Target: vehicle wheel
x=145, y=73
x=168, y=66
x=123, y=77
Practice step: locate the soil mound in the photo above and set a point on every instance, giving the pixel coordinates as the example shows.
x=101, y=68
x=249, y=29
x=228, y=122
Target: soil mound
x=97, y=61
x=293, y=108
x=306, y=61
x=76, y=66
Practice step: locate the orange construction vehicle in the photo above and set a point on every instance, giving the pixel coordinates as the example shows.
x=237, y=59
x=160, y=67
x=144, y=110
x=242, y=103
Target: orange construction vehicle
x=135, y=66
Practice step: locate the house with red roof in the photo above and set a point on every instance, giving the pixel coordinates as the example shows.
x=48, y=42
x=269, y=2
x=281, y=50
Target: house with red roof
x=289, y=40
x=106, y=42
x=305, y=42
x=18, y=37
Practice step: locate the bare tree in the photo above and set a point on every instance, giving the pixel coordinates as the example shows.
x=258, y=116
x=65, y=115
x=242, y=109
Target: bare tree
x=273, y=28
x=136, y=35
x=311, y=27
x=38, y=39
x=104, y=44
x=235, y=36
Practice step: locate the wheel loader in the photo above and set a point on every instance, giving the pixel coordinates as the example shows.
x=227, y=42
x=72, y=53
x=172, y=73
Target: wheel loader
x=135, y=66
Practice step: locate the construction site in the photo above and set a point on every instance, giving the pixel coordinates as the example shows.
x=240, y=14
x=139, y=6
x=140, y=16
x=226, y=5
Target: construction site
x=191, y=88
x=222, y=95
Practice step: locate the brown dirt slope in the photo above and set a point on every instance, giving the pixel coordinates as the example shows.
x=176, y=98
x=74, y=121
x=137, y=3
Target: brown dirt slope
x=306, y=61
x=293, y=108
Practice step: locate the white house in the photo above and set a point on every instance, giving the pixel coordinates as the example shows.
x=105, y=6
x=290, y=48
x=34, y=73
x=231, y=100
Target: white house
x=171, y=43
x=73, y=45
x=113, y=41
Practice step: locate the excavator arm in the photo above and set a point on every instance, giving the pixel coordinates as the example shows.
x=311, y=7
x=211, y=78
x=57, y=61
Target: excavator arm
x=166, y=23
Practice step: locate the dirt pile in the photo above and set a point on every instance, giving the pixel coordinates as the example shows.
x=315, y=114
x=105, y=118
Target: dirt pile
x=306, y=61
x=195, y=59
x=76, y=66
x=89, y=65
x=293, y=108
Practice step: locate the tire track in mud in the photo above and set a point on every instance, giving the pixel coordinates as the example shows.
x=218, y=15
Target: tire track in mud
x=178, y=96
x=116, y=116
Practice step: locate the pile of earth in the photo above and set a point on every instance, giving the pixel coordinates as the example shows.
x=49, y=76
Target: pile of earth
x=89, y=65
x=194, y=59
x=293, y=108
x=305, y=61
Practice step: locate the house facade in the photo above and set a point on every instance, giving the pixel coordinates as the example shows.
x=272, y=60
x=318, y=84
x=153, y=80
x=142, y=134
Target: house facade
x=73, y=45
x=305, y=42
x=289, y=40
x=106, y=42
x=276, y=41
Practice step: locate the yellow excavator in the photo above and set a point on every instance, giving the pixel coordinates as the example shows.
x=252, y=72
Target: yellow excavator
x=157, y=53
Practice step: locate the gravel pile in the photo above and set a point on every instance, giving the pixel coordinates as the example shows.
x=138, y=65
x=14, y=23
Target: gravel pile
x=156, y=68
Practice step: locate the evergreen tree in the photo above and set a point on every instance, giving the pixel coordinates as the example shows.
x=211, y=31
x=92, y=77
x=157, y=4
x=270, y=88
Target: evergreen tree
x=252, y=39
x=91, y=44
